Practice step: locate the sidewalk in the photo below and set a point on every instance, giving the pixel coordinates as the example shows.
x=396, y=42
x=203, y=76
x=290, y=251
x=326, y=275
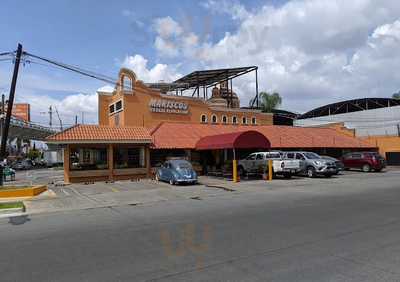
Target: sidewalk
x=80, y=196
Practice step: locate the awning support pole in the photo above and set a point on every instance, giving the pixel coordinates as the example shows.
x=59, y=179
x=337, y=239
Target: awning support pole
x=235, y=177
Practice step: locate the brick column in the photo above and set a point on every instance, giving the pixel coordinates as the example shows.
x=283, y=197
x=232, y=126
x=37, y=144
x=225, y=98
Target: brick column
x=110, y=161
x=67, y=154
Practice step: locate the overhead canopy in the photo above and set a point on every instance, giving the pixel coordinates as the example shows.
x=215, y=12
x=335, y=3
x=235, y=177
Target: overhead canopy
x=210, y=77
x=237, y=140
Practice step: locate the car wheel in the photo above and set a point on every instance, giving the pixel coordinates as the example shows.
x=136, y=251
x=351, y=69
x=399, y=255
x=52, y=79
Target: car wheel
x=328, y=175
x=171, y=181
x=366, y=168
x=310, y=171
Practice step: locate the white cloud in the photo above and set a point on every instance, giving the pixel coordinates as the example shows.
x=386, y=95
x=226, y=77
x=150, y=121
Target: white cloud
x=157, y=73
x=313, y=52
x=167, y=27
x=232, y=8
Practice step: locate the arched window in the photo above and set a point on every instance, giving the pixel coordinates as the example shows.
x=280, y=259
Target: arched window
x=244, y=120
x=234, y=120
x=224, y=119
x=214, y=119
x=253, y=120
x=127, y=83
x=203, y=118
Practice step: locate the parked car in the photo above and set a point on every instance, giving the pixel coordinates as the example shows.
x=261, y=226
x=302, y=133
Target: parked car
x=339, y=164
x=257, y=162
x=314, y=164
x=366, y=161
x=22, y=165
x=176, y=171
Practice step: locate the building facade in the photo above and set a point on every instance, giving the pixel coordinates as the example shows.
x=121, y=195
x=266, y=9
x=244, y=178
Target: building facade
x=133, y=103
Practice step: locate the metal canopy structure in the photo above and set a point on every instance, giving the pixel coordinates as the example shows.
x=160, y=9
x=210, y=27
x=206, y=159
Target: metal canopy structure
x=205, y=79
x=349, y=106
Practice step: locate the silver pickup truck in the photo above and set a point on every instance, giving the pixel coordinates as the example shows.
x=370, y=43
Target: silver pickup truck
x=257, y=163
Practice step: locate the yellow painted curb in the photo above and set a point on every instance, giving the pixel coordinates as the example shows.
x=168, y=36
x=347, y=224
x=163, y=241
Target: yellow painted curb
x=24, y=191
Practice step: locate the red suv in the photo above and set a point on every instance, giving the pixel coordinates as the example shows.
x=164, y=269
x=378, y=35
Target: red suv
x=366, y=161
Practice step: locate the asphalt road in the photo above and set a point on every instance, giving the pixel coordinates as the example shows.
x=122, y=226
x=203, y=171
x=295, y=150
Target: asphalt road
x=346, y=231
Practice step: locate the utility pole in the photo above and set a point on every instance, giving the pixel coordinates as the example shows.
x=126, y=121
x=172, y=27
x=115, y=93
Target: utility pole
x=61, y=125
x=2, y=110
x=51, y=116
x=4, y=135
x=76, y=119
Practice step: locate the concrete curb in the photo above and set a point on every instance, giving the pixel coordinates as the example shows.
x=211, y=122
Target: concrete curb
x=11, y=211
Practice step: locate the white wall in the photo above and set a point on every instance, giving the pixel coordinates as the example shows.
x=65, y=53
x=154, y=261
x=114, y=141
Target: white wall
x=375, y=122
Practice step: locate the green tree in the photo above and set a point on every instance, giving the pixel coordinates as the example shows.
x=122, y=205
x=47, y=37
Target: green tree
x=268, y=101
x=33, y=154
x=396, y=95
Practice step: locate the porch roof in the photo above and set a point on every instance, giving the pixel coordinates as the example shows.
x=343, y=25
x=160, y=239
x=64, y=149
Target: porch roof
x=99, y=134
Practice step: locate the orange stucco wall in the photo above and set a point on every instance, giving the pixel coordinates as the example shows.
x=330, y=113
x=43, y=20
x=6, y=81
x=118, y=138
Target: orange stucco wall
x=136, y=110
x=385, y=143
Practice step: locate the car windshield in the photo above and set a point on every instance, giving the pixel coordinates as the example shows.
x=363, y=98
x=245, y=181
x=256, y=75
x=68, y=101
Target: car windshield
x=274, y=155
x=310, y=155
x=181, y=165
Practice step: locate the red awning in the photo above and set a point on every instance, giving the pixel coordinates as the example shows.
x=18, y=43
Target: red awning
x=239, y=140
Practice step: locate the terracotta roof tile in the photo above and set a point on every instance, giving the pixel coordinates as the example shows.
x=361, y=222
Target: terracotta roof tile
x=185, y=136
x=99, y=133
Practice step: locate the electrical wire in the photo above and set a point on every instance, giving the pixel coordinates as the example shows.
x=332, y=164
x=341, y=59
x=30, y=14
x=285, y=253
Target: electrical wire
x=75, y=69
x=6, y=53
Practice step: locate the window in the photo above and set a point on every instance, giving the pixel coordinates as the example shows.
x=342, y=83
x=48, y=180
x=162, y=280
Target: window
x=224, y=119
x=290, y=155
x=127, y=83
x=118, y=106
x=234, y=120
x=356, y=156
x=299, y=157
x=251, y=157
x=253, y=120
x=244, y=120
x=260, y=157
x=203, y=118
x=88, y=158
x=311, y=155
x=112, y=108
x=214, y=119
x=129, y=157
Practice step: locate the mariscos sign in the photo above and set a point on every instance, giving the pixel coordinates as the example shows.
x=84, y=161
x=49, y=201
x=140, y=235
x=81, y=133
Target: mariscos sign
x=168, y=106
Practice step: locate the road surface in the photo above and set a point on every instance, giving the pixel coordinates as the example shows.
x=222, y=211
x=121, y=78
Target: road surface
x=320, y=232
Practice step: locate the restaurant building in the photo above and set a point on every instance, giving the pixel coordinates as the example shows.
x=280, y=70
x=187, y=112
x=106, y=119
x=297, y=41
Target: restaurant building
x=141, y=125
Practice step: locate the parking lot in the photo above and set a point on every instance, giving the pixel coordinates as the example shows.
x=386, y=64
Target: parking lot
x=147, y=191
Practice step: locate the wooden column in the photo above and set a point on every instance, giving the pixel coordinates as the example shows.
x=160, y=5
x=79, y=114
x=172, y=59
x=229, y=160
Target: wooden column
x=110, y=161
x=67, y=154
x=147, y=156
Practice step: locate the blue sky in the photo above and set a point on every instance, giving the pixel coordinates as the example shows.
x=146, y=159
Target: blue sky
x=312, y=52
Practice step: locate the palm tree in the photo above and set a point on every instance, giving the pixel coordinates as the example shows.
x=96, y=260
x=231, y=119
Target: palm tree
x=268, y=102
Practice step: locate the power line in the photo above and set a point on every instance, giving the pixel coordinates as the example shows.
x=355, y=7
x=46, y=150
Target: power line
x=76, y=69
x=7, y=53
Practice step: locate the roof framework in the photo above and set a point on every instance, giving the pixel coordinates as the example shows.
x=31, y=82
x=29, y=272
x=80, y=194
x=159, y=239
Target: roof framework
x=349, y=106
x=201, y=81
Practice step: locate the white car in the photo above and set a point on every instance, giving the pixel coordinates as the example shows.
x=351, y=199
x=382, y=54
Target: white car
x=257, y=162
